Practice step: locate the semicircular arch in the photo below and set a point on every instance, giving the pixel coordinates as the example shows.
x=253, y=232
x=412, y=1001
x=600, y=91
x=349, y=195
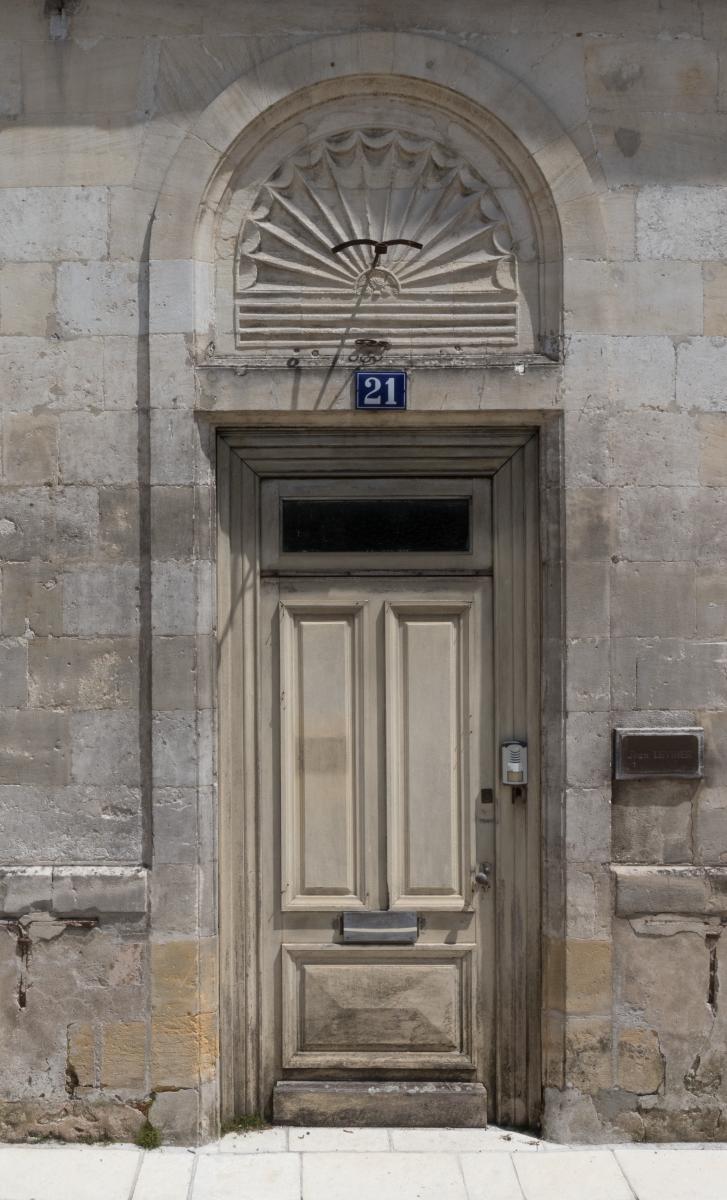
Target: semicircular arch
x=458, y=93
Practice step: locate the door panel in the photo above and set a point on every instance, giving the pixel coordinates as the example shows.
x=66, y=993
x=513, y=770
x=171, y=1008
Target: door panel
x=368, y=1007
x=321, y=675
x=379, y=748
x=427, y=751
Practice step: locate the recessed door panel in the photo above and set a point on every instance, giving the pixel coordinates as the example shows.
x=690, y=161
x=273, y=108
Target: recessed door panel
x=378, y=1007
x=427, y=750
x=321, y=669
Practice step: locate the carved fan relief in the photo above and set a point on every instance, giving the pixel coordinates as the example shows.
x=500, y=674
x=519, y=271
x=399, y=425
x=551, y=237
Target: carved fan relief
x=458, y=293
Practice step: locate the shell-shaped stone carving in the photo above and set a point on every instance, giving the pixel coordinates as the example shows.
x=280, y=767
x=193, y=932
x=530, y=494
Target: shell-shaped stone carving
x=458, y=291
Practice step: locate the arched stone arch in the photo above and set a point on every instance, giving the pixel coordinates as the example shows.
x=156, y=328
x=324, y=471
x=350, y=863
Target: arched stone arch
x=545, y=163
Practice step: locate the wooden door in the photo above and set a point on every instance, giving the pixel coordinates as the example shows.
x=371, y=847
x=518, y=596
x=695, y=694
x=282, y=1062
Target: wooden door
x=379, y=769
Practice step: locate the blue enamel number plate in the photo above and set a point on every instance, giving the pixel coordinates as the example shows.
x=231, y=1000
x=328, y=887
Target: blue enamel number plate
x=380, y=389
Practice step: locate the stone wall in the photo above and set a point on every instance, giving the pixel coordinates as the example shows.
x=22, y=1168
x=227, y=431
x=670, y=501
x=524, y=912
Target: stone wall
x=108, y=1000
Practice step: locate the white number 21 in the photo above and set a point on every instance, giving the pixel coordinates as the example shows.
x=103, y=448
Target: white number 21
x=372, y=394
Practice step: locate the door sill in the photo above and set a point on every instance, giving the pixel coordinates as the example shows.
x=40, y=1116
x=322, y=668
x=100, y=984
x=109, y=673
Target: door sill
x=336, y=1102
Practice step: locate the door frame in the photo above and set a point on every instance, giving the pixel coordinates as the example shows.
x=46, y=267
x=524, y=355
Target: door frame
x=411, y=446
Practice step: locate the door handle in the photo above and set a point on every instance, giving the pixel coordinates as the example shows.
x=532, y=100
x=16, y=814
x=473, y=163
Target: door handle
x=482, y=876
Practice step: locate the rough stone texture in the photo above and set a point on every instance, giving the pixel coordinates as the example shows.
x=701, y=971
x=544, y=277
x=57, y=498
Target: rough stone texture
x=402, y=1104
x=107, y=644
x=69, y=1121
x=640, y=1061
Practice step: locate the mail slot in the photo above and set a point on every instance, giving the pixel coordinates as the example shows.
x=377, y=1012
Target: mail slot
x=378, y=928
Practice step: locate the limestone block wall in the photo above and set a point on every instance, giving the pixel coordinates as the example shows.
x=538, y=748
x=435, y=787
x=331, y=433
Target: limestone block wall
x=108, y=992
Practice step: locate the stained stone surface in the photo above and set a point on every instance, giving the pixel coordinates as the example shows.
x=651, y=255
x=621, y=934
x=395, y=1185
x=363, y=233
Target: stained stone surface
x=114, y=119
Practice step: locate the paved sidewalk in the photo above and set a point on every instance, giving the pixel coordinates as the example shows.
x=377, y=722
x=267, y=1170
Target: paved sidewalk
x=366, y=1164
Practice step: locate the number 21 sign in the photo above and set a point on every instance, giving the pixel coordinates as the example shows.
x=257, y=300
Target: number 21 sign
x=380, y=389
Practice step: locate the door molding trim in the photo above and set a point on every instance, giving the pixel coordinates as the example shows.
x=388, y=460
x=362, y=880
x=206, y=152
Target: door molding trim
x=511, y=456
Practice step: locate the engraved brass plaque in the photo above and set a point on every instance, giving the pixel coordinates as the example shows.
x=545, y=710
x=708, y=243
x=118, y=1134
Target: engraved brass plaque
x=648, y=753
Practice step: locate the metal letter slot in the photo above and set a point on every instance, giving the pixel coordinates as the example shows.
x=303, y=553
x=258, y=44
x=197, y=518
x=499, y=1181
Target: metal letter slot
x=378, y=928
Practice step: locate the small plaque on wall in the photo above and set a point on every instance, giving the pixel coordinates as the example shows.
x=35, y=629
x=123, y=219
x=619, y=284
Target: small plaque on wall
x=649, y=753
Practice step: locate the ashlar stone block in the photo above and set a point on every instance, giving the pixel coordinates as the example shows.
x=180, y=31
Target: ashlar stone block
x=588, y=976
x=174, y=670
x=702, y=374
x=96, y=890
x=101, y=601
x=652, y=821
x=640, y=1061
x=99, y=448
x=715, y=746
x=183, y=1050
x=99, y=75
x=171, y=357
x=49, y=224
x=175, y=977
x=715, y=299
x=587, y=675
x=32, y=599
x=710, y=825
x=650, y=599
x=104, y=151
x=588, y=590
x=13, y=673
x=651, y=148
x=590, y=522
x=712, y=602
x=99, y=298
x=34, y=747
x=681, y=222
x=588, y=749
x=123, y=1054
x=83, y=673
x=25, y=890
x=105, y=747
x=172, y=522
x=669, y=889
x=588, y=825
x=639, y=297
x=175, y=752
x=653, y=448
x=174, y=597
x=682, y=674
x=712, y=438
x=30, y=448
x=27, y=299
x=625, y=75
x=176, y=835
x=174, y=898
x=118, y=523
x=82, y=1053
x=123, y=372
x=26, y=524
x=588, y=901
x=657, y=524
x=70, y=824
x=38, y=373
x=588, y=1057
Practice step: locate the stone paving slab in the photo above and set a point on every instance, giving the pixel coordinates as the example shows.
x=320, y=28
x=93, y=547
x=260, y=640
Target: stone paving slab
x=366, y=1164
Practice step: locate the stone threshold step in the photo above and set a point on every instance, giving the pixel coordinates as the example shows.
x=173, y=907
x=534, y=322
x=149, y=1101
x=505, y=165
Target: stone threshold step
x=338, y=1102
